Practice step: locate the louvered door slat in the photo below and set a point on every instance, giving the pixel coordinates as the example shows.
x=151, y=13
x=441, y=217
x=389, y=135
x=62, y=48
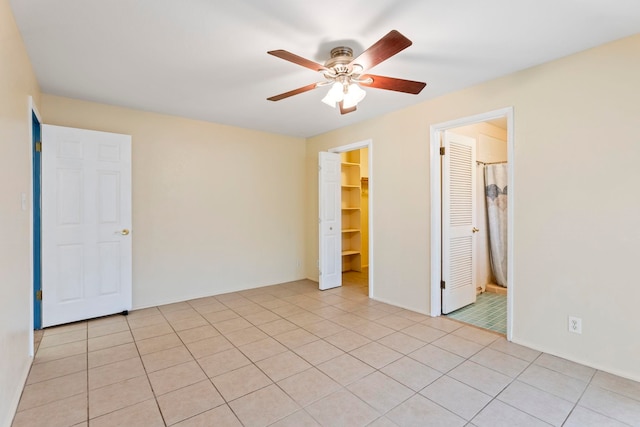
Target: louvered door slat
x=458, y=217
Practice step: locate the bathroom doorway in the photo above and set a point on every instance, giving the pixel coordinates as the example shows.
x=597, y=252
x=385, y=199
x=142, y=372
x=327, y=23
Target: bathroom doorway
x=464, y=285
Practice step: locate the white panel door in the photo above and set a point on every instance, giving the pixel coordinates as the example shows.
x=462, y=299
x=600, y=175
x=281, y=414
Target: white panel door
x=458, y=221
x=86, y=224
x=330, y=252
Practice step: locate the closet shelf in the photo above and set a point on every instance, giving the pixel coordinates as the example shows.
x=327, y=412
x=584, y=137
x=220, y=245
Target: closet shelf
x=352, y=211
x=347, y=253
x=350, y=230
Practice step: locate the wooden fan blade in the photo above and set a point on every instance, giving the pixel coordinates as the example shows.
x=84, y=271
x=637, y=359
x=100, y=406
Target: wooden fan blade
x=383, y=49
x=293, y=92
x=390, y=83
x=288, y=56
x=346, y=110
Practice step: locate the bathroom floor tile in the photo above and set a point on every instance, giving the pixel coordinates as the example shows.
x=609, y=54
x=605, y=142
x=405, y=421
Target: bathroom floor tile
x=484, y=312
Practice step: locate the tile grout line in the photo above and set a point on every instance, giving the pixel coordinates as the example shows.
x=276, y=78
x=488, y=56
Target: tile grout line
x=155, y=399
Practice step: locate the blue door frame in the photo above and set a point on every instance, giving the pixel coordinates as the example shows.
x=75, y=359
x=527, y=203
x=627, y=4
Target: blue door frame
x=37, y=266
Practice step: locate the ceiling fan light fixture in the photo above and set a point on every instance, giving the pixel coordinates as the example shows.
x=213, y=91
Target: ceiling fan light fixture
x=354, y=95
x=334, y=96
x=345, y=73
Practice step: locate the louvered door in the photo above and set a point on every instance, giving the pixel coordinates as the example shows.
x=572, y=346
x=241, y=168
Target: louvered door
x=458, y=221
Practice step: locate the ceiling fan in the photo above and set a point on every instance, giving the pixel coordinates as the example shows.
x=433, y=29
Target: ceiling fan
x=346, y=74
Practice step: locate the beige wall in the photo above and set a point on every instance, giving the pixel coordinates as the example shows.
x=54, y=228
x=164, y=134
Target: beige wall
x=575, y=195
x=215, y=208
x=17, y=83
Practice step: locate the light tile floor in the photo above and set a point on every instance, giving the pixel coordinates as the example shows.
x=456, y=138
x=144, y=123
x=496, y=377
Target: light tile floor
x=290, y=355
x=488, y=312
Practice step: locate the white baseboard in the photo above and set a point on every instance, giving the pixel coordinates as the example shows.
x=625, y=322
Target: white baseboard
x=415, y=310
x=607, y=369
x=165, y=301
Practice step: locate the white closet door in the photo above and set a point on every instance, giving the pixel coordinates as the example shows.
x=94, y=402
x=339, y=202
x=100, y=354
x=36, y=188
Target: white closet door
x=330, y=251
x=458, y=221
x=86, y=223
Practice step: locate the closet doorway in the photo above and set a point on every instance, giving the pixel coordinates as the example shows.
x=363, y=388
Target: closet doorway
x=355, y=219
x=464, y=284
x=356, y=195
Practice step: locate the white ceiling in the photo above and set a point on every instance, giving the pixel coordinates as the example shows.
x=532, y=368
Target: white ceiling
x=207, y=60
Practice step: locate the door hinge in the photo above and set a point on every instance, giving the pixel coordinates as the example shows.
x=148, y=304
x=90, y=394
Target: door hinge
x=39, y=147
x=442, y=284
x=39, y=295
x=442, y=151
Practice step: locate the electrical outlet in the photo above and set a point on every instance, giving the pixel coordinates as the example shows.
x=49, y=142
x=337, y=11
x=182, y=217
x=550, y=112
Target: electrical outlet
x=575, y=325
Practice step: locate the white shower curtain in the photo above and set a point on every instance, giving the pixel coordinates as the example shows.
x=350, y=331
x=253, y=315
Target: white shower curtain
x=496, y=179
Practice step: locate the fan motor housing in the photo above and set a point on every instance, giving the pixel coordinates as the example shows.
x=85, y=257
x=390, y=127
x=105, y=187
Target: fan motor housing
x=341, y=57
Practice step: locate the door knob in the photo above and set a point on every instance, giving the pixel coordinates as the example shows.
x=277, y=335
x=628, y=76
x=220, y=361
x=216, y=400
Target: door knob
x=124, y=232
x=475, y=230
